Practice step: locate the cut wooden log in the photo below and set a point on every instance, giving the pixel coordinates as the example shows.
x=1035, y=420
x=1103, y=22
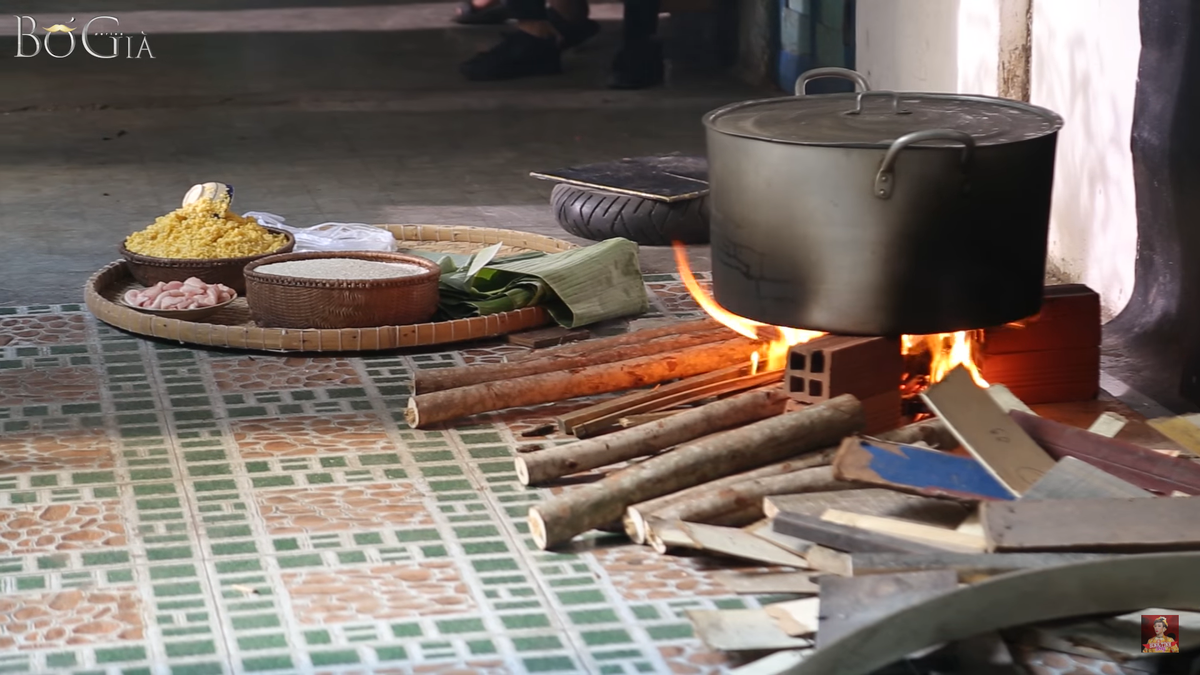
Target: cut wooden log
x=542, y=338
x=1073, y=478
x=843, y=538
x=629, y=402
x=917, y=470
x=931, y=431
x=739, y=544
x=1093, y=525
x=750, y=493
x=1006, y=451
x=1144, y=468
x=564, y=516
x=539, y=467
x=849, y=602
x=970, y=567
x=768, y=583
x=624, y=339
x=871, y=502
x=921, y=533
x=612, y=421
x=798, y=618
x=741, y=630
x=440, y=379
x=425, y=410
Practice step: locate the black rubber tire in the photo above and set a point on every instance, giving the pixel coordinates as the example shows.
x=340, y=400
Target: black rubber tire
x=600, y=215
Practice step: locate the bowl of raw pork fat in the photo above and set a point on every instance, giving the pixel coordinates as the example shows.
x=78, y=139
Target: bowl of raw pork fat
x=343, y=289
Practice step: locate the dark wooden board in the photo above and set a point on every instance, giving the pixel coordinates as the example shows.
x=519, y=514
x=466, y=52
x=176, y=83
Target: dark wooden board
x=548, y=337
x=1093, y=525
x=850, y=602
x=843, y=538
x=1074, y=478
x=918, y=470
x=968, y=566
x=665, y=178
x=1144, y=468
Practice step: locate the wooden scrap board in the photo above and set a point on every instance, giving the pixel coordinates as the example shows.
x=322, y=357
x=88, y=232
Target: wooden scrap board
x=968, y=566
x=664, y=178
x=1097, y=525
x=1072, y=478
x=919, y=470
x=870, y=502
x=736, y=630
x=842, y=538
x=987, y=432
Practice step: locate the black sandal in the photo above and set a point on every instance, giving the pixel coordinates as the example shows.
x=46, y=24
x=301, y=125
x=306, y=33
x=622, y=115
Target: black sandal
x=519, y=54
x=470, y=15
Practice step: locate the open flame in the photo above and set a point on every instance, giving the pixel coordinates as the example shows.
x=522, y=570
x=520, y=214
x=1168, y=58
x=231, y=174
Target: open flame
x=946, y=350
x=779, y=338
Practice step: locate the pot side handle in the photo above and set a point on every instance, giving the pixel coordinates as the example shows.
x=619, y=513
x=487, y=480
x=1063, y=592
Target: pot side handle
x=885, y=179
x=860, y=82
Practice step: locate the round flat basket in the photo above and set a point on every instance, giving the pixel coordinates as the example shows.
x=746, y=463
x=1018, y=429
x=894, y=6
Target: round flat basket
x=232, y=327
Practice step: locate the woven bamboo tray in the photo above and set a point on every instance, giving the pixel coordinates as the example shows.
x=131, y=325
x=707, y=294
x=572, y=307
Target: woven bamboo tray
x=232, y=327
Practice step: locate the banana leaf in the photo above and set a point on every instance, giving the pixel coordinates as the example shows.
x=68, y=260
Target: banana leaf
x=578, y=287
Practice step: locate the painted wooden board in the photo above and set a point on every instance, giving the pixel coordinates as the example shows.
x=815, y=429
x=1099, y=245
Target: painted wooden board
x=1072, y=478
x=871, y=502
x=916, y=470
x=938, y=537
x=1013, y=600
x=842, y=538
x=736, y=630
x=734, y=542
x=767, y=583
x=850, y=602
x=1096, y=525
x=1181, y=430
x=797, y=618
x=1144, y=468
x=990, y=435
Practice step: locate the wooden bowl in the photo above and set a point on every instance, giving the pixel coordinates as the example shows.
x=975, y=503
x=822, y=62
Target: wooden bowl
x=184, y=314
x=149, y=270
x=278, y=301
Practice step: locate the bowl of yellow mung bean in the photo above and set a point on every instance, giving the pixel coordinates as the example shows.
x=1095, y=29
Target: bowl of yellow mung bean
x=202, y=239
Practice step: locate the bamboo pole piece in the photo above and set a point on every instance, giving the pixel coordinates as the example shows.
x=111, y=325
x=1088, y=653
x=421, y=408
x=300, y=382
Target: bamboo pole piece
x=659, y=400
x=932, y=431
x=561, y=518
x=425, y=410
x=631, y=338
x=441, y=379
x=539, y=467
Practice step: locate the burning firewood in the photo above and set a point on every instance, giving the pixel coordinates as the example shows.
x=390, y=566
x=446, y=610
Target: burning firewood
x=647, y=439
x=440, y=406
x=441, y=379
x=700, y=502
x=561, y=518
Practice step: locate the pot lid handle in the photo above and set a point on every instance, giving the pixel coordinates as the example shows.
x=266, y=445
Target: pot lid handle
x=885, y=179
x=860, y=82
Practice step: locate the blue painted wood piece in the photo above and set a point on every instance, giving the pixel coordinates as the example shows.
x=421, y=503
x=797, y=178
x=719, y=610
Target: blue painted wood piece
x=914, y=469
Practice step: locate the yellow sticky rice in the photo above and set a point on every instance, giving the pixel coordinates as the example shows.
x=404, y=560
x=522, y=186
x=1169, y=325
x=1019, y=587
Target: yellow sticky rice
x=204, y=229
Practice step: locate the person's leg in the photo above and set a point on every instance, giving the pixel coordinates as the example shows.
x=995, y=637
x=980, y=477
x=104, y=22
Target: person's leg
x=532, y=49
x=571, y=19
x=639, y=63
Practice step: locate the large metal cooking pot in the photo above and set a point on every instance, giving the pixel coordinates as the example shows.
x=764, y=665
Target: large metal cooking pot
x=880, y=213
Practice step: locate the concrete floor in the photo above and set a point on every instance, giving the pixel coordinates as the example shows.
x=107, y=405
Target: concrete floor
x=311, y=111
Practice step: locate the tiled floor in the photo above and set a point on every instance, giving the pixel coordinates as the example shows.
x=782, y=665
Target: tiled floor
x=171, y=510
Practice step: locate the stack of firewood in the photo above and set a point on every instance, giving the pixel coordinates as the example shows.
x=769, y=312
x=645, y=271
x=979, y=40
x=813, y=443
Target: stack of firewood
x=860, y=528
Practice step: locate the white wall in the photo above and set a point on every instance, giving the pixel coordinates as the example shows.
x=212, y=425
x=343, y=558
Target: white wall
x=1084, y=67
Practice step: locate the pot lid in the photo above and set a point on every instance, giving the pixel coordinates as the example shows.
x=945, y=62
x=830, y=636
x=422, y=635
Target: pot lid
x=876, y=118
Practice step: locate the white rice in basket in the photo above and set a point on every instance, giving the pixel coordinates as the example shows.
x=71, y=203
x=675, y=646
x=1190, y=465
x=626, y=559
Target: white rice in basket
x=341, y=269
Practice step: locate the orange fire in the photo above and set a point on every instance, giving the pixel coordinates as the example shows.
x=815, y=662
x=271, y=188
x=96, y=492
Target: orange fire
x=947, y=350
x=779, y=338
